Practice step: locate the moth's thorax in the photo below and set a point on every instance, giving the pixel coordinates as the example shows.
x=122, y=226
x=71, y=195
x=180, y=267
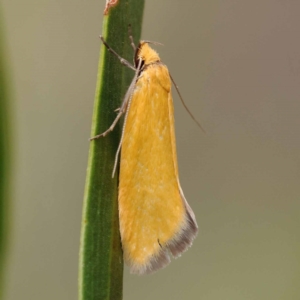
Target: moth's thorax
x=147, y=54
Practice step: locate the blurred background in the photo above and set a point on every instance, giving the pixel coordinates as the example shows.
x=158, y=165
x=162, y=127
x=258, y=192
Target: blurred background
x=237, y=64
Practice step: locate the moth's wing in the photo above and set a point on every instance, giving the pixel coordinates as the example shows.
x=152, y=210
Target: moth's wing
x=155, y=219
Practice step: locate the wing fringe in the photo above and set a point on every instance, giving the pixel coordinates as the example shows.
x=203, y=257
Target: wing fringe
x=176, y=246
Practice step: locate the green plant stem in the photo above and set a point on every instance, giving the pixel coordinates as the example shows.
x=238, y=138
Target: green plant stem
x=4, y=163
x=101, y=258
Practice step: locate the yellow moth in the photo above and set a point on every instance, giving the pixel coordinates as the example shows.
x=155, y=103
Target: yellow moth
x=156, y=221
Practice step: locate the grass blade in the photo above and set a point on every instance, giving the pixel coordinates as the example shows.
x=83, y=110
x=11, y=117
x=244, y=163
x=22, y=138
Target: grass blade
x=101, y=258
x=4, y=163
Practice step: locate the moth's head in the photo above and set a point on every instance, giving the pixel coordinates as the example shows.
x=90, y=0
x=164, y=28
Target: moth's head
x=146, y=54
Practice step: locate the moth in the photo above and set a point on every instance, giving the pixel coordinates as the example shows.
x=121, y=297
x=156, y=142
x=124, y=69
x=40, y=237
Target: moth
x=156, y=221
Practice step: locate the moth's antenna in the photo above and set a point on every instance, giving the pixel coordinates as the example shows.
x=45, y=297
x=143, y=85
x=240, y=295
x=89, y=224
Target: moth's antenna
x=153, y=43
x=177, y=89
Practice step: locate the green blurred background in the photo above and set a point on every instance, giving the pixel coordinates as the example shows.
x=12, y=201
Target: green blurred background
x=237, y=64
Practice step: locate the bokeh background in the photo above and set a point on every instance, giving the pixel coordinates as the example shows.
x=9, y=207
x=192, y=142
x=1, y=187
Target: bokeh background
x=237, y=64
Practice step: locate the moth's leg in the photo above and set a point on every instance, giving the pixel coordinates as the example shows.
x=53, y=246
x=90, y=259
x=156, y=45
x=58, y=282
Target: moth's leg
x=121, y=59
x=131, y=38
x=124, y=105
x=111, y=128
x=121, y=110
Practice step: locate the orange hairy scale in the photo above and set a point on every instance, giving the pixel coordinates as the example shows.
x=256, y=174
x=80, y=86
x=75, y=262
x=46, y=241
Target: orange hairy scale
x=155, y=219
